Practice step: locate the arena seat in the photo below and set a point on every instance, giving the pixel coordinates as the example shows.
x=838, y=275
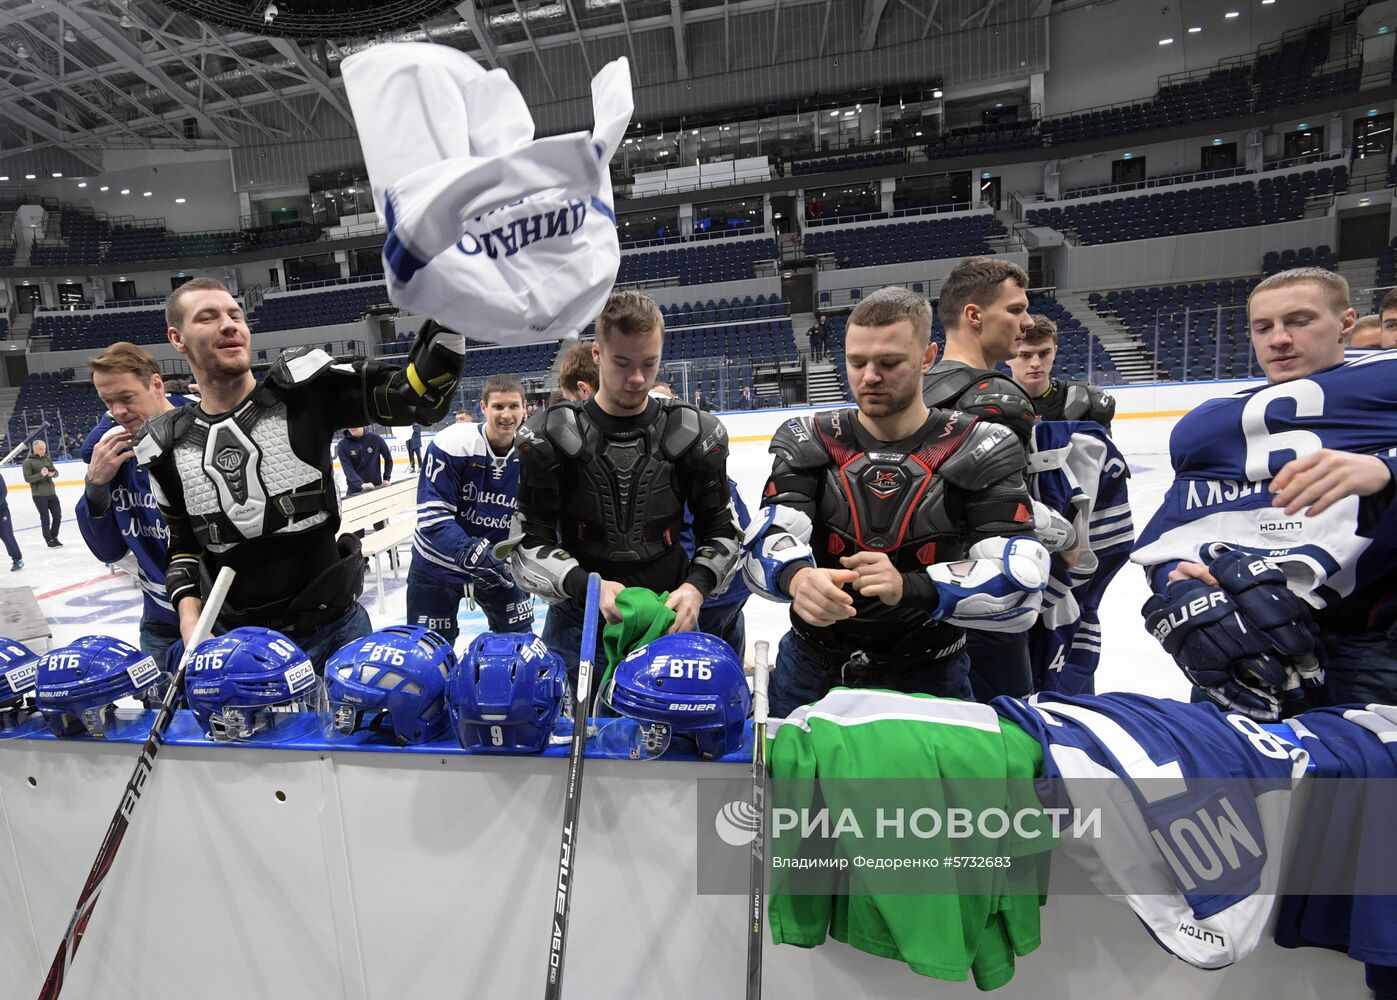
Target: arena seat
x=1197, y=331
x=696, y=263
x=94, y=329
x=923, y=239
x=1192, y=210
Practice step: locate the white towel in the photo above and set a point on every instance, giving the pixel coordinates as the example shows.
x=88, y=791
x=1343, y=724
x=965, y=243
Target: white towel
x=491, y=232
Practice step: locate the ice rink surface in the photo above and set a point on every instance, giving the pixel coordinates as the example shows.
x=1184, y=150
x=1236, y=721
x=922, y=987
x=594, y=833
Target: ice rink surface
x=80, y=596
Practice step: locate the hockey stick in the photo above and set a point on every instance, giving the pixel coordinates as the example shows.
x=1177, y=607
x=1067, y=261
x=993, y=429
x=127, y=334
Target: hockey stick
x=567, y=855
x=106, y=854
x=757, y=873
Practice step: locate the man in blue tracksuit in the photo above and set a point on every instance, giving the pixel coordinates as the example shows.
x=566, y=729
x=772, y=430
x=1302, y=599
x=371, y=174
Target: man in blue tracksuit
x=364, y=459
x=466, y=498
x=117, y=515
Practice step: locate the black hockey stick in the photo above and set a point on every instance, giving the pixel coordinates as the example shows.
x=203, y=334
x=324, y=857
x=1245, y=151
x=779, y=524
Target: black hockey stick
x=756, y=876
x=567, y=855
x=116, y=833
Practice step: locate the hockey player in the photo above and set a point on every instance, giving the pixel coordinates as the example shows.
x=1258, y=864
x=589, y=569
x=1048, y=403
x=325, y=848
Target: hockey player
x=244, y=479
x=577, y=375
x=603, y=485
x=117, y=514
x=1280, y=512
x=1367, y=333
x=1055, y=399
x=867, y=518
x=1388, y=312
x=984, y=307
x=466, y=498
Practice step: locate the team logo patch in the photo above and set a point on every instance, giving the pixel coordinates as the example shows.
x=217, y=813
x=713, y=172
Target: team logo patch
x=884, y=483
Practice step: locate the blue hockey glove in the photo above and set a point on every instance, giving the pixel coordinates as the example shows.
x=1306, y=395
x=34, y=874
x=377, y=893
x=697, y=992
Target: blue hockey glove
x=1227, y=659
x=1257, y=586
x=485, y=570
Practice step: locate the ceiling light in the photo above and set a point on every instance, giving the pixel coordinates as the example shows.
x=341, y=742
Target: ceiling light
x=1267, y=3
x=986, y=176
x=1372, y=112
x=1303, y=125
x=919, y=135
x=57, y=175
x=694, y=132
x=82, y=184
x=29, y=177
x=5, y=178
x=104, y=188
x=1232, y=13
x=1194, y=30
x=145, y=194
x=1127, y=156
x=1217, y=142
x=848, y=114
x=1166, y=41
x=834, y=114
x=179, y=201
x=68, y=36
x=936, y=93
x=627, y=142
x=125, y=190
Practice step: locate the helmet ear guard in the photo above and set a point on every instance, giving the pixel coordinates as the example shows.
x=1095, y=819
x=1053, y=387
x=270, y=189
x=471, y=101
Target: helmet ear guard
x=393, y=683
x=686, y=688
x=254, y=684
x=506, y=693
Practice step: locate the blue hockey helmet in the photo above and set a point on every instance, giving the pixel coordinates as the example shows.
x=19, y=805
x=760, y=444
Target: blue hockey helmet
x=688, y=684
x=245, y=682
x=80, y=682
x=19, y=665
x=505, y=694
x=394, y=679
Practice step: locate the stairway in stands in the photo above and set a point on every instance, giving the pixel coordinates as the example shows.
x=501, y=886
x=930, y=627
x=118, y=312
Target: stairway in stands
x=1131, y=357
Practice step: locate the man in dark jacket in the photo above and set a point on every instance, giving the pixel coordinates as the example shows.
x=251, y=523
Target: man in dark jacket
x=39, y=473
x=360, y=453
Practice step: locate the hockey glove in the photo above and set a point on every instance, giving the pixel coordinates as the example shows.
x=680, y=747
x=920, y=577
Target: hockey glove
x=1205, y=633
x=998, y=588
x=485, y=570
x=1257, y=586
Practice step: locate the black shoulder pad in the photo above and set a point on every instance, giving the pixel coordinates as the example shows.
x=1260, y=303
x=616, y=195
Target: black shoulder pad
x=160, y=433
x=798, y=443
x=990, y=452
x=564, y=427
x=681, y=427
x=1084, y=401
x=942, y=386
x=298, y=365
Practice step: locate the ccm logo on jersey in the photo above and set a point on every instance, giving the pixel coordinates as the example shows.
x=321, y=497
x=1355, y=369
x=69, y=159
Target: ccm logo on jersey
x=1192, y=609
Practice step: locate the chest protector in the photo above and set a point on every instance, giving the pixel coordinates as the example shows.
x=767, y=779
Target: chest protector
x=241, y=477
x=890, y=500
x=626, y=504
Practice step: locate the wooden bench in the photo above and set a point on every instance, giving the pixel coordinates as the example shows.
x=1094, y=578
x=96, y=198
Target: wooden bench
x=395, y=507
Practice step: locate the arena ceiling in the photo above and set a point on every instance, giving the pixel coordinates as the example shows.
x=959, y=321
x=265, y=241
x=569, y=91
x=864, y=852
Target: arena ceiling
x=87, y=75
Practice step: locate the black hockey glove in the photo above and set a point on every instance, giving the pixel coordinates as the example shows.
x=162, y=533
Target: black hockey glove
x=1257, y=586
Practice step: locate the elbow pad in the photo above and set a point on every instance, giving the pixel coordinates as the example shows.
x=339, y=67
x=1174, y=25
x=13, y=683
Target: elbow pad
x=774, y=542
x=1052, y=529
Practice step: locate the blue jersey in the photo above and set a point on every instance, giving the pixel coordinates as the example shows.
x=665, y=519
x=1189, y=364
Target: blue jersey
x=1225, y=453
x=466, y=492
x=1080, y=473
x=132, y=525
x=1193, y=806
x=1343, y=838
x=737, y=591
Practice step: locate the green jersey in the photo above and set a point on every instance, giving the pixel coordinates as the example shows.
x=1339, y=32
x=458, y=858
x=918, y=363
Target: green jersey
x=871, y=734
